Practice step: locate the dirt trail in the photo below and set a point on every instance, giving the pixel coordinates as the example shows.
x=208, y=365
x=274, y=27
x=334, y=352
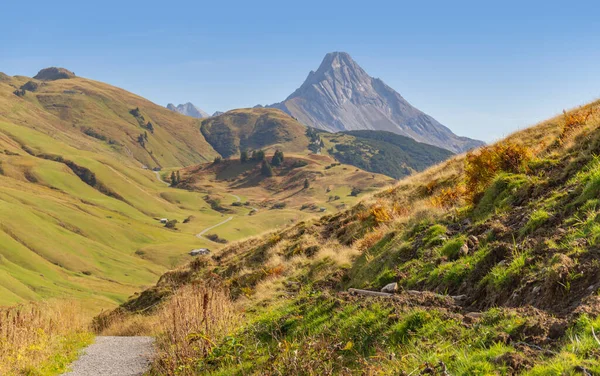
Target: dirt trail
x=115, y=356
x=160, y=179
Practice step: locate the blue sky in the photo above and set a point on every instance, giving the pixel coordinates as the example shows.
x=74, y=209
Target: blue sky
x=484, y=70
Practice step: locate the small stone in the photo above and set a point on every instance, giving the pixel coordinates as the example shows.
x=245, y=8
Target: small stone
x=390, y=288
x=473, y=241
x=464, y=250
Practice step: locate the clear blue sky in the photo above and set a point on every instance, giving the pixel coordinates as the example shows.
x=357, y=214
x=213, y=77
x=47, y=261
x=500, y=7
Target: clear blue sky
x=483, y=70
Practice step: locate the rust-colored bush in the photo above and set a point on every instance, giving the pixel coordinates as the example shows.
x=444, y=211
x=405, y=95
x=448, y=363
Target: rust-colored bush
x=481, y=167
x=574, y=120
x=380, y=213
x=448, y=197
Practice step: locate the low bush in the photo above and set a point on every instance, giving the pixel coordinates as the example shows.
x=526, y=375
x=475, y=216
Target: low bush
x=481, y=167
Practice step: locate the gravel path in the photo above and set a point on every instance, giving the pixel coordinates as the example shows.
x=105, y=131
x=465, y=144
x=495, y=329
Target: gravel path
x=114, y=356
x=199, y=235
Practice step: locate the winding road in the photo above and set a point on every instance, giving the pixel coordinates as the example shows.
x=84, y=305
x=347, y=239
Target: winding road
x=199, y=235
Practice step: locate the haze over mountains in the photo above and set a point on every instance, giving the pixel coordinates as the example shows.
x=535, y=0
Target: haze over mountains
x=341, y=96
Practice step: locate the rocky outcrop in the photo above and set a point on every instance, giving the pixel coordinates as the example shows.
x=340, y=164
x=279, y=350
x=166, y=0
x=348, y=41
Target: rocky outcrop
x=341, y=96
x=54, y=73
x=188, y=109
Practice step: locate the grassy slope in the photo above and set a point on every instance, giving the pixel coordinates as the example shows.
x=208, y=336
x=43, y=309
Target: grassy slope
x=60, y=236
x=383, y=152
x=254, y=128
x=523, y=298
x=223, y=180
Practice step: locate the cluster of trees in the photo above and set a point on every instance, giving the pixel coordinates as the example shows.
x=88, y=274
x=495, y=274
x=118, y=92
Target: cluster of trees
x=316, y=143
x=277, y=159
x=266, y=168
x=175, y=178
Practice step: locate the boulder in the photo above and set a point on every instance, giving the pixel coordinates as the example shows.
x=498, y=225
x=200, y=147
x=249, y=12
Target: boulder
x=390, y=288
x=464, y=250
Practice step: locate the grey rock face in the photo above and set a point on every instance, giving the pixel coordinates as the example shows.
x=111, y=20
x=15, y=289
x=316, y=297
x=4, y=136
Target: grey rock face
x=188, y=109
x=341, y=96
x=390, y=288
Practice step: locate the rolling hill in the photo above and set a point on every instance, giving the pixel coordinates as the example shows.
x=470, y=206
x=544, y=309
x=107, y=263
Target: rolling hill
x=383, y=152
x=484, y=264
x=80, y=202
x=254, y=128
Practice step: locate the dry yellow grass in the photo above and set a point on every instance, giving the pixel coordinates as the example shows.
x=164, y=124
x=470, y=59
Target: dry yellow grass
x=41, y=337
x=194, y=320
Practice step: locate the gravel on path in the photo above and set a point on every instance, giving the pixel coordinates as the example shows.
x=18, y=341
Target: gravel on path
x=115, y=356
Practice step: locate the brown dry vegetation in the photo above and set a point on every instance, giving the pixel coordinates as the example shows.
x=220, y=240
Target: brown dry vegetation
x=40, y=338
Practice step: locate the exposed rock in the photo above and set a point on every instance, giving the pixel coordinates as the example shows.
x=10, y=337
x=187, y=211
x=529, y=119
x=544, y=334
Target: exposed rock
x=472, y=241
x=217, y=113
x=464, y=250
x=390, y=288
x=54, y=73
x=341, y=96
x=30, y=86
x=188, y=109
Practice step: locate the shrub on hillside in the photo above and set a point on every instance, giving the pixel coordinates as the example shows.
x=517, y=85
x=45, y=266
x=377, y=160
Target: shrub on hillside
x=265, y=169
x=279, y=205
x=574, y=120
x=482, y=166
x=216, y=238
x=299, y=163
x=355, y=191
x=172, y=224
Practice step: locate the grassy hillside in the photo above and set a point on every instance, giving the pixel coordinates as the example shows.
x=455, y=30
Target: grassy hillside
x=80, y=208
x=254, y=128
x=383, y=152
x=494, y=255
x=281, y=199
x=79, y=214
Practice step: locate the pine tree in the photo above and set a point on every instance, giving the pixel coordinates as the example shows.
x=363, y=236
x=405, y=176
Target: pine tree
x=258, y=155
x=266, y=169
x=244, y=156
x=277, y=159
x=306, y=184
x=178, y=177
x=173, y=178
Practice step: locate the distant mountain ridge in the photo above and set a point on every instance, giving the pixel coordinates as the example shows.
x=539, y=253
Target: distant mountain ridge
x=188, y=109
x=341, y=96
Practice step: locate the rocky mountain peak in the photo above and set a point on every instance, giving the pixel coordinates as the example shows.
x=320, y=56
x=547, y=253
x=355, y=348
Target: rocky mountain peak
x=341, y=96
x=188, y=109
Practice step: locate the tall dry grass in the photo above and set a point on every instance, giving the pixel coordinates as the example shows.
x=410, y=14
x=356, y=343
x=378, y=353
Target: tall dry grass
x=194, y=320
x=36, y=335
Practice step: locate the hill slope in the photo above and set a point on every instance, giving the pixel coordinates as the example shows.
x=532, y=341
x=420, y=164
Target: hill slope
x=255, y=128
x=341, y=96
x=82, y=112
x=494, y=255
x=383, y=152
